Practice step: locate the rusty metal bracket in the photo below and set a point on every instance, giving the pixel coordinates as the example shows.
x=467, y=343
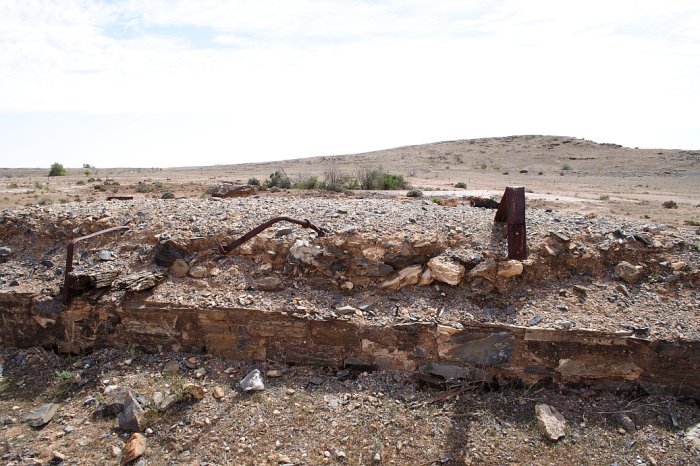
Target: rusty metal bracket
x=512, y=211
x=226, y=248
x=69, y=259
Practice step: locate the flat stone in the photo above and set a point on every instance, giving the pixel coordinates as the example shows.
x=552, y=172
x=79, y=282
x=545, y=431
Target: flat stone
x=40, y=416
x=550, y=421
x=485, y=269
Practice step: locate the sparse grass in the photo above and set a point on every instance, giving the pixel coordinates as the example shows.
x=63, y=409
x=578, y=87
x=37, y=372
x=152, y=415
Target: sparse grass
x=80, y=182
x=461, y=185
x=604, y=197
x=12, y=186
x=496, y=166
x=142, y=187
x=435, y=200
x=167, y=195
x=692, y=223
x=483, y=166
x=64, y=375
x=540, y=173
x=696, y=246
x=253, y=181
x=566, y=167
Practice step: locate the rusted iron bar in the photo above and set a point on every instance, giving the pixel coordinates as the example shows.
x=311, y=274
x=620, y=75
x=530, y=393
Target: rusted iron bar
x=226, y=248
x=512, y=211
x=69, y=259
x=119, y=198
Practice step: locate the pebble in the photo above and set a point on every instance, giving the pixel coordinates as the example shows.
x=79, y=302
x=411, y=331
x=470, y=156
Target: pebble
x=218, y=393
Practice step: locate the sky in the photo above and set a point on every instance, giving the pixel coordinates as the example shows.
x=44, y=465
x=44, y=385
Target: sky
x=164, y=83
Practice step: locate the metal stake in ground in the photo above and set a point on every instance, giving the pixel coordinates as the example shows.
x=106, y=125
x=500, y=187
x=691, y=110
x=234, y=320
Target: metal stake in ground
x=512, y=211
x=226, y=248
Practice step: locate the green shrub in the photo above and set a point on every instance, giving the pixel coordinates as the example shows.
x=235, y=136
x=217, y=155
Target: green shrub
x=310, y=182
x=57, y=170
x=415, y=193
x=566, y=167
x=143, y=187
x=87, y=172
x=461, y=185
x=167, y=195
x=278, y=179
x=111, y=182
x=80, y=183
x=12, y=185
x=377, y=179
x=540, y=173
x=254, y=181
x=100, y=187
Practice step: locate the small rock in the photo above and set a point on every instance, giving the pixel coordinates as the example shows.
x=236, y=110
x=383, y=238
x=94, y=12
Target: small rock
x=14, y=282
x=283, y=459
x=198, y=272
x=377, y=458
x=534, y=321
x=171, y=367
x=179, y=268
x=199, y=373
x=41, y=415
x=269, y=284
x=167, y=402
x=158, y=398
x=677, y=265
x=550, y=421
x=340, y=455
x=194, y=390
x=426, y=278
x=290, y=391
x=622, y=289
x=115, y=451
x=406, y=276
x=582, y=290
x=252, y=382
x=273, y=373
x=484, y=269
x=624, y=421
x=282, y=232
x=134, y=448
x=317, y=380
x=510, y=268
x=345, y=310
x=105, y=255
x=132, y=418
x=5, y=251
x=57, y=457
x=218, y=393
x=627, y=272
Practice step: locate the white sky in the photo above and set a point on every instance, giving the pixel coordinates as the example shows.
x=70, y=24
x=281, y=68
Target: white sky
x=172, y=83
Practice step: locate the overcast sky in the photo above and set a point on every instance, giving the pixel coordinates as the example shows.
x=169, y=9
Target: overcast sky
x=173, y=83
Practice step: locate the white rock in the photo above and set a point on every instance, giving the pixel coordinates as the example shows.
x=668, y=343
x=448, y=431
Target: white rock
x=406, y=276
x=509, y=269
x=550, y=421
x=252, y=382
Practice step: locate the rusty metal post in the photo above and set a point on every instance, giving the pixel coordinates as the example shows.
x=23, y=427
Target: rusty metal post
x=69, y=259
x=512, y=211
x=226, y=248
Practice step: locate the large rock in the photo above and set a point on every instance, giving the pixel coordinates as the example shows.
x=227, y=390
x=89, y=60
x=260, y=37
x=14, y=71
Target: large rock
x=132, y=418
x=269, y=284
x=446, y=270
x=233, y=190
x=180, y=268
x=550, y=421
x=511, y=268
x=627, y=272
x=41, y=415
x=405, y=277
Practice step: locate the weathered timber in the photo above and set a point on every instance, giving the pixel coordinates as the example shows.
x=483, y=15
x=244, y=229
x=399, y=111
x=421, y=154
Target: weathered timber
x=483, y=351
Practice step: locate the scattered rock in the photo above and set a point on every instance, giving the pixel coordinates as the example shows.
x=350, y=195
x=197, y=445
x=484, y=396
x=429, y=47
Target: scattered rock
x=446, y=270
x=627, y=272
x=105, y=255
x=550, y=421
x=534, y=321
x=510, y=268
x=158, y=398
x=199, y=373
x=284, y=231
x=484, y=269
x=115, y=451
x=132, y=418
x=198, y=272
x=252, y=382
x=171, y=367
x=179, y=268
x=317, y=380
x=134, y=448
x=40, y=416
x=194, y=390
x=677, y=265
x=273, y=373
x=5, y=252
x=426, y=278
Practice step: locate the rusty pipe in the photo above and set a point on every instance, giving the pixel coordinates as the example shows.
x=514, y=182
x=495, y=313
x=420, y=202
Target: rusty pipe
x=69, y=259
x=226, y=248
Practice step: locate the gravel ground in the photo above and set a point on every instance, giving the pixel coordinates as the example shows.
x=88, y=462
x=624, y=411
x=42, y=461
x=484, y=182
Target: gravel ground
x=310, y=415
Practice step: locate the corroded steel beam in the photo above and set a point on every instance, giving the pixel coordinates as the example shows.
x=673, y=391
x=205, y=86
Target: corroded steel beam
x=226, y=248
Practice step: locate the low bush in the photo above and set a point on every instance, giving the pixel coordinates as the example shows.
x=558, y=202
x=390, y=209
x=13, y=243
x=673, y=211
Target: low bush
x=415, y=193
x=461, y=185
x=670, y=204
